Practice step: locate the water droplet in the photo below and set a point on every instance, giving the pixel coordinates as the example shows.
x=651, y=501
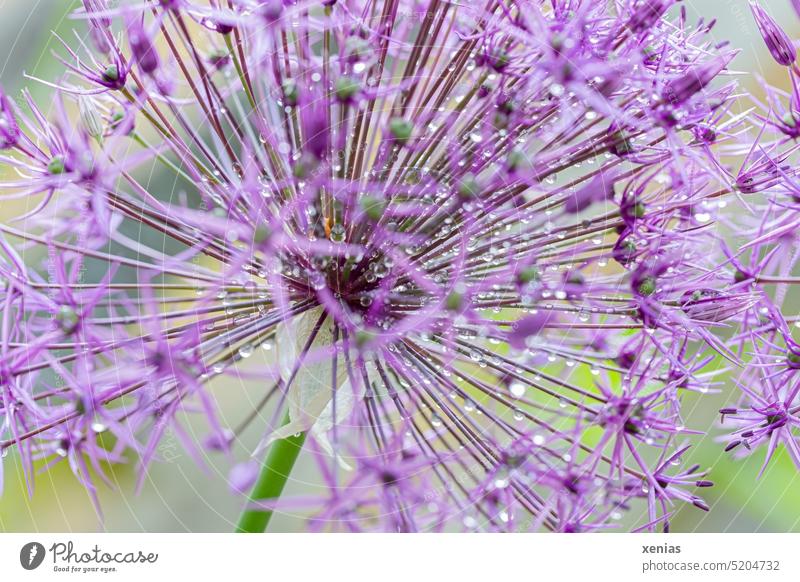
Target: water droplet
x=517, y=389
x=338, y=233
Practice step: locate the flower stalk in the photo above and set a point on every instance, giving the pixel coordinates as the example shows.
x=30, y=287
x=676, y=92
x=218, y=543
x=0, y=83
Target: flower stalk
x=271, y=481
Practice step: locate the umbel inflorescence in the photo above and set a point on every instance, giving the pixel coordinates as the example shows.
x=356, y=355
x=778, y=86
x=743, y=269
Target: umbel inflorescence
x=467, y=252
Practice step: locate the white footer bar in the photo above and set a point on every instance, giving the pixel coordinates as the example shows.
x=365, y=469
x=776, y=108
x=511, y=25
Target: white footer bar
x=407, y=558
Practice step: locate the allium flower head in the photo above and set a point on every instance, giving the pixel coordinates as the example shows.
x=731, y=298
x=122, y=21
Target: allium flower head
x=462, y=249
x=762, y=417
x=778, y=42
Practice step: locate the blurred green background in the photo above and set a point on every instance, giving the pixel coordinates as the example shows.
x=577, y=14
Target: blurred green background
x=178, y=496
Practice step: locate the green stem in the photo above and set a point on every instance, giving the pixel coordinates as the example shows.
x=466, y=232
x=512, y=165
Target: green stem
x=138, y=139
x=271, y=481
x=239, y=71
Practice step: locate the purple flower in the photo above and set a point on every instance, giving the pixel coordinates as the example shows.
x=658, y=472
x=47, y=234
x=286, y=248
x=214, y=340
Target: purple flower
x=694, y=79
x=445, y=252
x=242, y=476
x=142, y=47
x=526, y=327
x=9, y=131
x=669, y=486
x=716, y=306
x=767, y=420
x=646, y=13
x=778, y=42
x=598, y=190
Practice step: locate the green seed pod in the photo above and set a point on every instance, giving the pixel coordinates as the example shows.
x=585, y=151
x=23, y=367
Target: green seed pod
x=90, y=117
x=401, y=129
x=528, y=275
x=373, y=207
x=67, y=319
x=111, y=74
x=454, y=301
x=647, y=287
x=468, y=187
x=56, y=166
x=346, y=88
x=290, y=92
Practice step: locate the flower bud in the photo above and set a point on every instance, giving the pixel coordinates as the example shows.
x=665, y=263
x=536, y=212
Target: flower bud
x=220, y=25
x=242, y=477
x=317, y=133
x=113, y=76
x=271, y=11
x=90, y=118
x=99, y=40
x=648, y=13
x=601, y=188
x=99, y=27
x=715, y=306
x=9, y=130
x=144, y=53
x=528, y=326
x=695, y=79
x=778, y=42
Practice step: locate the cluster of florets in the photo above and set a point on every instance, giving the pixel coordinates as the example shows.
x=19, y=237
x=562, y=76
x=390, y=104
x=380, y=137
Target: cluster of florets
x=762, y=258
x=474, y=248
